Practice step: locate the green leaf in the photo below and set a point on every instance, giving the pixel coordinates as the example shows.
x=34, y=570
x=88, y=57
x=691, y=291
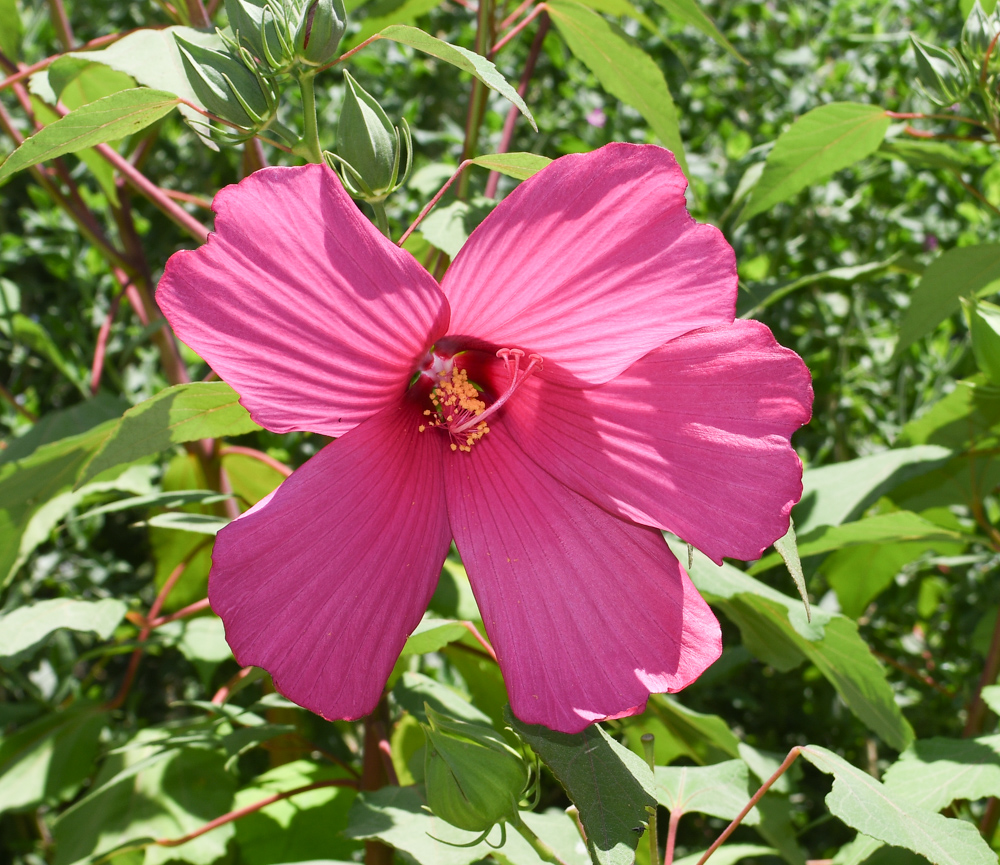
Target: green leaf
x=158, y=500
x=467, y=61
x=617, y=8
x=933, y=773
x=48, y=760
x=984, y=328
x=926, y=154
x=202, y=641
x=840, y=492
x=414, y=689
x=517, y=165
x=870, y=807
x=961, y=272
x=383, y=14
x=867, y=851
x=167, y=798
x=788, y=550
x=721, y=790
x=611, y=786
x=704, y=738
x=107, y=119
x=201, y=524
x=774, y=627
x=882, y=528
x=303, y=828
x=449, y=227
x=182, y=413
x=729, y=854
x=431, y=635
x=29, y=625
x=967, y=417
x=11, y=29
x=30, y=333
x=816, y=145
x=63, y=424
x=689, y=12
x=622, y=67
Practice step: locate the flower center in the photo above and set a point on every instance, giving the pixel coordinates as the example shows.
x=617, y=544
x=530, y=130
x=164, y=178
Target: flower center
x=458, y=405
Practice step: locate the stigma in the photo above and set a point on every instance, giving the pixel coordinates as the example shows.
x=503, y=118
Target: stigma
x=458, y=407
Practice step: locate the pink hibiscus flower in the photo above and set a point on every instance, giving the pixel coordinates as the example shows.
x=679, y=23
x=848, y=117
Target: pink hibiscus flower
x=575, y=384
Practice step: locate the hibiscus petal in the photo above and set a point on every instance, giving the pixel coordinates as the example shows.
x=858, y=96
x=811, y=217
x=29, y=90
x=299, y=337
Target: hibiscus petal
x=592, y=263
x=322, y=585
x=693, y=438
x=297, y=301
x=588, y=614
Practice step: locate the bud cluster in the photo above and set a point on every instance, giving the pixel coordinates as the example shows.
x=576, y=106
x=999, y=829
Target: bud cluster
x=284, y=35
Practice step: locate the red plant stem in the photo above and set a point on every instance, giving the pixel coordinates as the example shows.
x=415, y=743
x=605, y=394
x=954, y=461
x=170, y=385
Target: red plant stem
x=920, y=133
x=511, y=120
x=182, y=613
x=223, y=693
x=390, y=770
x=197, y=15
x=60, y=21
x=154, y=611
x=374, y=776
x=988, y=825
x=977, y=707
x=350, y=53
x=916, y=115
x=232, y=507
x=510, y=19
x=538, y=10
x=784, y=767
x=277, y=465
x=472, y=629
x=985, y=69
x=668, y=852
x=20, y=409
x=213, y=6
x=97, y=367
x=250, y=809
x=433, y=201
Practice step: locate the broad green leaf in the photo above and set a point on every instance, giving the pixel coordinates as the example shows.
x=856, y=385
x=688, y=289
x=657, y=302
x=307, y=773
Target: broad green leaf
x=868, y=851
x=11, y=29
x=689, y=12
x=720, y=790
x=879, y=529
x=984, y=328
x=306, y=827
x=840, y=492
x=704, y=738
x=29, y=625
x=774, y=627
x=107, y=119
x=467, y=61
x=158, y=500
x=449, y=227
x=28, y=485
x=182, y=413
x=816, y=145
x=787, y=548
x=201, y=640
x=619, y=8
x=870, y=807
x=933, y=773
x=201, y=524
x=167, y=798
x=960, y=272
x=415, y=689
x=610, y=786
x=729, y=854
x=517, y=165
x=32, y=334
x=967, y=417
x=63, y=424
x=431, y=635
x=622, y=67
x=76, y=81
x=48, y=760
x=926, y=154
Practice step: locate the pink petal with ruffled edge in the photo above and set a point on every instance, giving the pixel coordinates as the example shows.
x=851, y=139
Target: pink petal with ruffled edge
x=297, y=301
x=592, y=263
x=323, y=584
x=588, y=614
x=693, y=438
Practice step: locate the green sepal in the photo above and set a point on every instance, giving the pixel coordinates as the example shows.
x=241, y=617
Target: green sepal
x=320, y=28
x=944, y=75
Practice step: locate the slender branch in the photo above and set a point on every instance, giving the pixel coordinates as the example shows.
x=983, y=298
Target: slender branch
x=477, y=98
x=250, y=809
x=97, y=367
x=538, y=10
x=213, y=6
x=182, y=613
x=988, y=825
x=517, y=13
x=920, y=133
x=253, y=453
x=511, y=121
x=975, y=192
x=197, y=14
x=20, y=409
x=390, y=770
x=472, y=629
x=373, y=775
x=784, y=767
x=351, y=53
x=916, y=115
x=60, y=21
x=433, y=201
x=668, y=852
x=223, y=693
x=187, y=198
x=545, y=853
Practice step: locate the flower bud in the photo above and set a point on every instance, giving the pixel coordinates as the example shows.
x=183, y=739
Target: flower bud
x=320, y=28
x=944, y=75
x=260, y=26
x=369, y=147
x=473, y=778
x=228, y=85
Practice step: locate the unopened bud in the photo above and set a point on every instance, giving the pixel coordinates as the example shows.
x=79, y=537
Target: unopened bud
x=369, y=148
x=228, y=86
x=320, y=28
x=944, y=75
x=474, y=779
x=260, y=27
